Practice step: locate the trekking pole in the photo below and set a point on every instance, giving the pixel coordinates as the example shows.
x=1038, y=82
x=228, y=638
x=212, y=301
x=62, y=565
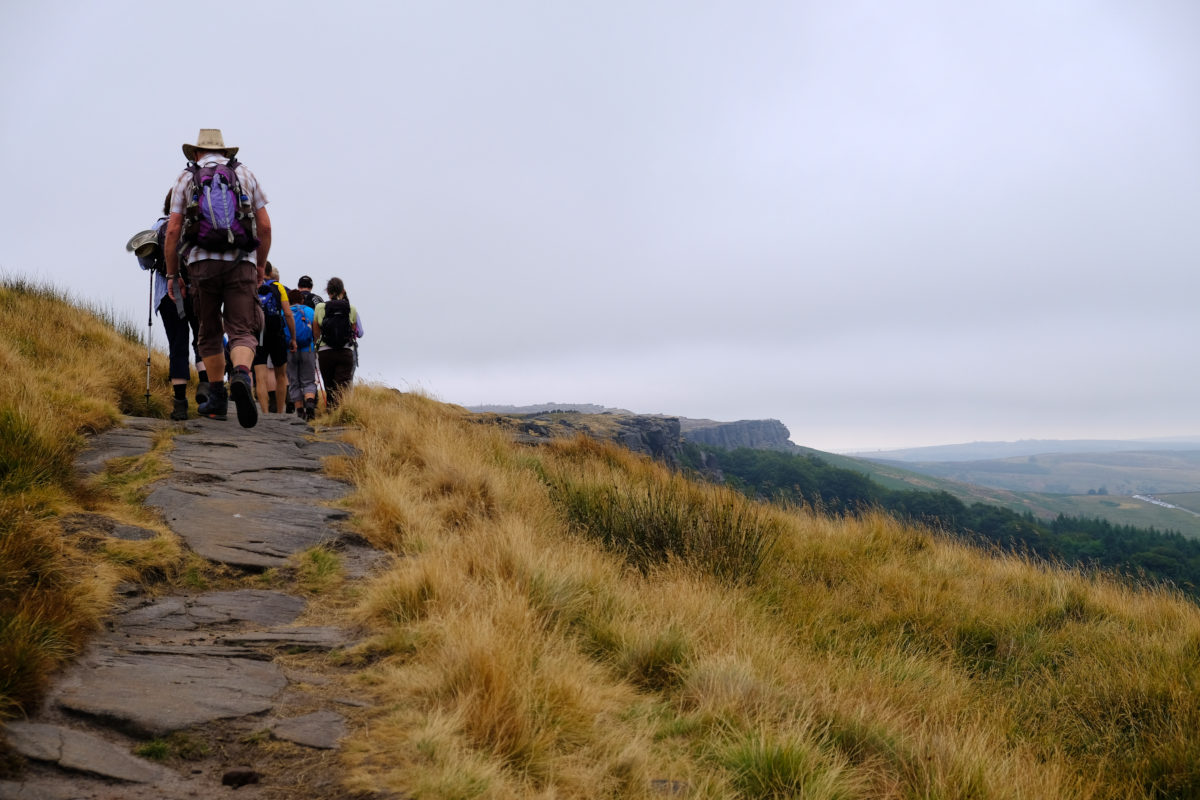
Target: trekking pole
x=320, y=383
x=149, y=328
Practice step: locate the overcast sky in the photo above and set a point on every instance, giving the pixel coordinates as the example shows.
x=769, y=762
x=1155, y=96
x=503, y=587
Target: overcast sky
x=886, y=224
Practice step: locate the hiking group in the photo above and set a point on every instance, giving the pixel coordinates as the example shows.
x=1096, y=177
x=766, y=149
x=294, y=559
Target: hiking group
x=223, y=306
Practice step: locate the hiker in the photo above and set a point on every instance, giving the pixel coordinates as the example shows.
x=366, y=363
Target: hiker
x=337, y=329
x=301, y=360
x=178, y=317
x=219, y=212
x=276, y=339
x=304, y=293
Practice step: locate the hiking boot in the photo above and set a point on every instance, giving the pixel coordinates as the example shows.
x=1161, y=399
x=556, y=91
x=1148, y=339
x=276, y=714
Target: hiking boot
x=243, y=397
x=201, y=393
x=310, y=409
x=180, y=412
x=289, y=407
x=217, y=405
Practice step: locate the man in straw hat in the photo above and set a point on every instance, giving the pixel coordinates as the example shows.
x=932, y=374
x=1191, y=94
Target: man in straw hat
x=224, y=277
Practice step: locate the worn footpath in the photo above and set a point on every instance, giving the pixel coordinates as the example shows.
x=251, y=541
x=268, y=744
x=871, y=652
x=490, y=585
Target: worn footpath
x=228, y=684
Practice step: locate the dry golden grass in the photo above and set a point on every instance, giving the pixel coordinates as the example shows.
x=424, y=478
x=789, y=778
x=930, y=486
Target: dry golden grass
x=523, y=648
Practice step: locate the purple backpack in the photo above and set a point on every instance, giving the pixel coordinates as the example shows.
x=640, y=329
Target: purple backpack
x=219, y=214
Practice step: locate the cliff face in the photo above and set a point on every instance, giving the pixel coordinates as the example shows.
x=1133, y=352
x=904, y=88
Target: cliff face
x=658, y=436
x=757, y=434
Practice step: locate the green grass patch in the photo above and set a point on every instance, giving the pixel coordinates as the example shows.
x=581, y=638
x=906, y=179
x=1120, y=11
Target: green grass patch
x=763, y=768
x=318, y=569
x=670, y=518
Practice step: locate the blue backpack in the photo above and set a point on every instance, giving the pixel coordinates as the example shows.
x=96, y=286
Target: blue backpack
x=304, y=322
x=268, y=297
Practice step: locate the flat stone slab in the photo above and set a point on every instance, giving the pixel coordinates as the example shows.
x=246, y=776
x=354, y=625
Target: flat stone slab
x=300, y=488
x=320, y=730
x=180, y=612
x=76, y=750
x=300, y=638
x=134, y=439
x=247, y=497
x=225, y=526
x=153, y=694
x=202, y=452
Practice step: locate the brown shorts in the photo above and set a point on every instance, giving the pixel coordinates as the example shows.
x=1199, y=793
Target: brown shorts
x=226, y=300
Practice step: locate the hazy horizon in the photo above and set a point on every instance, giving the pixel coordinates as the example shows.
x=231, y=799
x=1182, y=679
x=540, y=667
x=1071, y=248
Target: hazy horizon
x=887, y=225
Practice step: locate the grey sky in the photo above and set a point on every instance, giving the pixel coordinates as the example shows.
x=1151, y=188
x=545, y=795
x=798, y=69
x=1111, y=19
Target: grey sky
x=887, y=224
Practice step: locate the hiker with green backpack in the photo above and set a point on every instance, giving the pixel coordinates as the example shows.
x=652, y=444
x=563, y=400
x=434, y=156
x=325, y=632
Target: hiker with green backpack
x=301, y=359
x=337, y=329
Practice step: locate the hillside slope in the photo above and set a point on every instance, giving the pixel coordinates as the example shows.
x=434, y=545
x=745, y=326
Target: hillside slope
x=1121, y=473
x=571, y=620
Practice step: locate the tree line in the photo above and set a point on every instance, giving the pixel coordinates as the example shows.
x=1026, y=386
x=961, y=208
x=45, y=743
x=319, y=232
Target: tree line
x=1140, y=553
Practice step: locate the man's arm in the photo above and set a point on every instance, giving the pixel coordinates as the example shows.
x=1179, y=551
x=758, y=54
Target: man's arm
x=171, y=245
x=291, y=318
x=262, y=221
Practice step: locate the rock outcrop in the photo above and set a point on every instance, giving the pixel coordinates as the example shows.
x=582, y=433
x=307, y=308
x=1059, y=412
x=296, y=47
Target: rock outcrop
x=756, y=434
x=656, y=435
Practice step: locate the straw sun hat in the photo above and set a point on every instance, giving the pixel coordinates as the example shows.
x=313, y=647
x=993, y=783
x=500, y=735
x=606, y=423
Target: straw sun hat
x=143, y=243
x=209, y=139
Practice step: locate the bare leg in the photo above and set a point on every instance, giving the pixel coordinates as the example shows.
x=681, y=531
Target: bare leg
x=281, y=385
x=260, y=385
x=215, y=366
x=241, y=357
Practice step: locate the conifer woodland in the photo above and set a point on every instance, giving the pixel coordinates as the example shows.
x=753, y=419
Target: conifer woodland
x=573, y=621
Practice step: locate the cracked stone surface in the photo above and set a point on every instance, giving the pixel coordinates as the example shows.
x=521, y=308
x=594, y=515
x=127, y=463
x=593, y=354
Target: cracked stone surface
x=81, y=751
x=249, y=499
x=152, y=694
x=320, y=729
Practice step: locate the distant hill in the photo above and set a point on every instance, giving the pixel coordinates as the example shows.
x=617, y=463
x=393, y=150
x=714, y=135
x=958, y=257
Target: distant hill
x=546, y=408
x=980, y=451
x=1124, y=473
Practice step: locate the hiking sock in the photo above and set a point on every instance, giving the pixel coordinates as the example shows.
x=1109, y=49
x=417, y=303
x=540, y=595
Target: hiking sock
x=179, y=412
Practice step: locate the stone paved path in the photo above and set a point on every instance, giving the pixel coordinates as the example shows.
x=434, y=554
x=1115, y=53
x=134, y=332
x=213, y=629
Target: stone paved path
x=207, y=664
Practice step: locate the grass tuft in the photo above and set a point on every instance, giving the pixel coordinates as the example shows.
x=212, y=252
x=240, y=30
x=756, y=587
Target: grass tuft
x=765, y=768
x=653, y=517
